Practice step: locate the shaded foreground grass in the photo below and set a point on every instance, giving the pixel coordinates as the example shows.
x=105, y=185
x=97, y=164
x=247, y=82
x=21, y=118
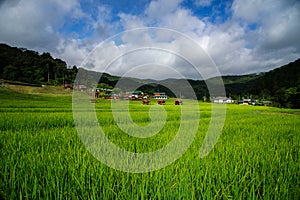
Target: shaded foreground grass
x=42, y=157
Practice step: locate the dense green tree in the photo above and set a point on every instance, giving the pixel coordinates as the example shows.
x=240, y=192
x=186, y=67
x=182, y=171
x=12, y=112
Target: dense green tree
x=20, y=64
x=11, y=72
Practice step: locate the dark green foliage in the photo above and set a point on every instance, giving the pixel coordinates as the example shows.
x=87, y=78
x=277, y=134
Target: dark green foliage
x=19, y=64
x=286, y=76
x=282, y=85
x=240, y=84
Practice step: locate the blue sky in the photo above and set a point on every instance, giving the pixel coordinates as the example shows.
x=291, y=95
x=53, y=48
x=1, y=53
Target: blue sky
x=240, y=36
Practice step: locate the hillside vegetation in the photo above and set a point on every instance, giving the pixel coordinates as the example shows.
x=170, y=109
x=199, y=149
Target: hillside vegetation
x=20, y=64
x=281, y=85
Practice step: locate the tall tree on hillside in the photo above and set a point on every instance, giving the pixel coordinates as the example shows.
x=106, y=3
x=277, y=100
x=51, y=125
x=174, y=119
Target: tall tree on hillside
x=59, y=71
x=11, y=72
x=48, y=65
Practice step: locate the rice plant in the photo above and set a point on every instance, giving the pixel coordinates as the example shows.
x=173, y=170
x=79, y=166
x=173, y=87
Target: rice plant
x=42, y=157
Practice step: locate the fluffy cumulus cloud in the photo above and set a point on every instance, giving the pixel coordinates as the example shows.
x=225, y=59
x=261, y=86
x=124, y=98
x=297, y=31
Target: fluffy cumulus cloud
x=23, y=23
x=275, y=38
x=277, y=21
x=259, y=35
x=254, y=35
x=32, y=23
x=36, y=25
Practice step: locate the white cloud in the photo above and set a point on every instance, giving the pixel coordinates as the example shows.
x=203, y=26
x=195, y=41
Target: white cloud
x=159, y=8
x=277, y=21
x=34, y=24
x=24, y=24
x=183, y=20
x=282, y=29
x=72, y=51
x=157, y=47
x=131, y=21
x=203, y=3
x=251, y=10
x=102, y=23
x=275, y=39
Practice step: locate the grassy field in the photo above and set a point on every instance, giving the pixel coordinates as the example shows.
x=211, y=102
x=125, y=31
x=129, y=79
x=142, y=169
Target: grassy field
x=42, y=157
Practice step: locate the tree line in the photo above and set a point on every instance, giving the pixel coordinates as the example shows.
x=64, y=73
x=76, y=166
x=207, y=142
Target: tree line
x=20, y=64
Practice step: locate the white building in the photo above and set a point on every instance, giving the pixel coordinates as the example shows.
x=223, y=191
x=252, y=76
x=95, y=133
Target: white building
x=222, y=100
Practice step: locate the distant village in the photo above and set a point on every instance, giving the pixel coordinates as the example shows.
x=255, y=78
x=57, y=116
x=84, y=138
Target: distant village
x=244, y=101
x=132, y=95
x=129, y=95
x=161, y=97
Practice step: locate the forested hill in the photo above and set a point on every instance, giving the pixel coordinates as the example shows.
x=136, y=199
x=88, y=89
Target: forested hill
x=284, y=77
x=281, y=84
x=20, y=64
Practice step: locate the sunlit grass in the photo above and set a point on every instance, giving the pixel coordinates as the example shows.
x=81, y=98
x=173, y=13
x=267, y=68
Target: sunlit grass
x=42, y=157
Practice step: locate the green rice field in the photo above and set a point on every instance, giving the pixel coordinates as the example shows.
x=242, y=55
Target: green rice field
x=42, y=157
